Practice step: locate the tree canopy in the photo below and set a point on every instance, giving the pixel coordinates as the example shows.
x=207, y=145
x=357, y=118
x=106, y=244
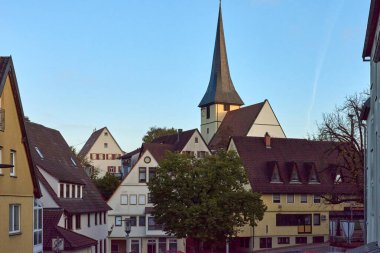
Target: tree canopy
x=204, y=199
x=344, y=128
x=155, y=132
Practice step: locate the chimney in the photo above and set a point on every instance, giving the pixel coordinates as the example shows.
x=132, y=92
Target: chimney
x=179, y=132
x=267, y=140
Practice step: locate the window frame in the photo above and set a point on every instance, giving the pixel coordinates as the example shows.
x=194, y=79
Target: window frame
x=118, y=223
x=275, y=200
x=133, y=196
x=12, y=161
x=287, y=198
x=78, y=221
x=125, y=196
x=142, y=197
x=142, y=171
x=142, y=221
x=314, y=219
x=316, y=199
x=303, y=201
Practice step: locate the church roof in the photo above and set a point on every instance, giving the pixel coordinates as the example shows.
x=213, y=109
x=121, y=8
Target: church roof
x=235, y=123
x=220, y=88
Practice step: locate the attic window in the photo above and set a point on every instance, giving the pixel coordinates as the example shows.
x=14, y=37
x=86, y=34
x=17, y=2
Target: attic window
x=338, y=178
x=39, y=152
x=72, y=160
x=313, y=178
x=294, y=176
x=105, y=134
x=275, y=175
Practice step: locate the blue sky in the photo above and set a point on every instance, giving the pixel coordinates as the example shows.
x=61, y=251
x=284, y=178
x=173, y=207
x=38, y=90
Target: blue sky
x=132, y=64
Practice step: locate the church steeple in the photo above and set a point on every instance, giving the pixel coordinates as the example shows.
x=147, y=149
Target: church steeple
x=220, y=89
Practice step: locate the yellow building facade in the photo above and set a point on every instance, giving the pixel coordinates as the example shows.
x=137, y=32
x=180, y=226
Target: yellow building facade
x=18, y=184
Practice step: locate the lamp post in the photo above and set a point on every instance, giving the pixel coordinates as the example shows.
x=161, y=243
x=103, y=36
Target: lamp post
x=127, y=229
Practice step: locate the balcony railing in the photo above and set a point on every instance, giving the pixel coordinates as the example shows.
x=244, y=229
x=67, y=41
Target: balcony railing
x=2, y=119
x=156, y=227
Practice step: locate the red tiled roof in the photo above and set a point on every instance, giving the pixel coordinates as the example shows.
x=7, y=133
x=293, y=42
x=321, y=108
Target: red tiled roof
x=157, y=150
x=287, y=153
x=178, y=140
x=235, y=123
x=72, y=240
x=57, y=161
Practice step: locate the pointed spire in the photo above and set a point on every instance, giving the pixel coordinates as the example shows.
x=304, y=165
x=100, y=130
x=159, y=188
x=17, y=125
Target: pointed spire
x=220, y=88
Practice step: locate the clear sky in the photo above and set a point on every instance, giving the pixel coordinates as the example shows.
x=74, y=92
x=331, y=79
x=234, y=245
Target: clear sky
x=132, y=64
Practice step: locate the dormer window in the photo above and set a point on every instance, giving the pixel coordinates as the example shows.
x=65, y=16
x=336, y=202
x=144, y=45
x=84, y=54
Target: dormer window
x=72, y=191
x=313, y=178
x=275, y=175
x=39, y=153
x=73, y=162
x=338, y=178
x=294, y=175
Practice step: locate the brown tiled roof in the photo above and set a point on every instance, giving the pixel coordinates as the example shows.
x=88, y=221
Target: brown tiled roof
x=7, y=68
x=130, y=154
x=300, y=154
x=72, y=240
x=57, y=161
x=157, y=150
x=178, y=140
x=235, y=123
x=90, y=142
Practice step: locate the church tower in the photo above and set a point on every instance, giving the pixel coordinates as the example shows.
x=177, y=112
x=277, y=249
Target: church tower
x=220, y=96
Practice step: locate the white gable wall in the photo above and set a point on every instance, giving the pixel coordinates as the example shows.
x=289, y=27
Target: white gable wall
x=266, y=121
x=98, y=148
x=193, y=146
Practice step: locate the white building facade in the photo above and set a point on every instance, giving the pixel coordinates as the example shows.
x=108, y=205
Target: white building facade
x=132, y=199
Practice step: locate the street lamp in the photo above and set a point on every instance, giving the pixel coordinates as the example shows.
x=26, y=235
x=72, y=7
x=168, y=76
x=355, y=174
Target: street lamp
x=127, y=229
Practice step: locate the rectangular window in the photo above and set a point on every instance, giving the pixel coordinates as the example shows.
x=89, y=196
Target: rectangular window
x=118, y=221
x=317, y=219
x=161, y=244
x=14, y=218
x=88, y=219
x=208, y=112
x=276, y=198
x=105, y=145
x=303, y=198
x=318, y=239
x=196, y=139
x=73, y=191
x=152, y=172
x=141, y=199
x=142, y=221
x=100, y=218
x=67, y=191
x=149, y=198
x=61, y=190
x=173, y=244
x=283, y=240
x=133, y=220
x=37, y=224
x=78, y=191
x=301, y=240
x=78, y=221
x=142, y=174
x=101, y=246
x=226, y=108
x=111, y=169
x=13, y=162
x=135, y=246
x=105, y=217
x=96, y=218
x=133, y=200
x=317, y=199
x=124, y=199
x=266, y=243
x=70, y=222
x=152, y=224
x=290, y=198
x=201, y=154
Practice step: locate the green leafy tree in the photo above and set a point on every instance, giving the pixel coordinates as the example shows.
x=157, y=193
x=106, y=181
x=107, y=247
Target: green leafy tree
x=204, y=199
x=107, y=185
x=155, y=132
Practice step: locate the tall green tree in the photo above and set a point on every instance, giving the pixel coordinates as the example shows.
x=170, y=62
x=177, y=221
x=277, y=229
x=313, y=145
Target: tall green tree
x=155, y=132
x=107, y=185
x=204, y=199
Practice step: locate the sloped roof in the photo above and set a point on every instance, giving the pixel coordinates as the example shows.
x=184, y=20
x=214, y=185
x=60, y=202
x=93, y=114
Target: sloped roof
x=7, y=68
x=288, y=153
x=178, y=140
x=57, y=161
x=130, y=154
x=72, y=240
x=220, y=88
x=235, y=123
x=373, y=18
x=90, y=142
